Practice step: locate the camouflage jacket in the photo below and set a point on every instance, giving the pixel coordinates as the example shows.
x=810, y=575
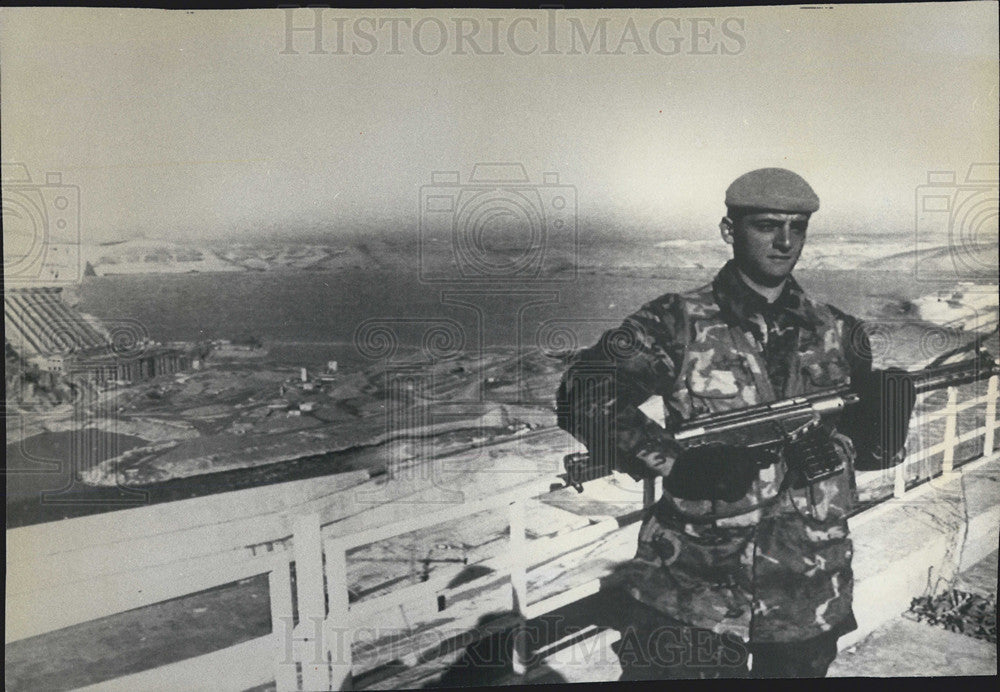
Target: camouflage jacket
x=775, y=564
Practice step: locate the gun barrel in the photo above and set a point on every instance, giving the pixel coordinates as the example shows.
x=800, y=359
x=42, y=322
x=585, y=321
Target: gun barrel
x=955, y=374
x=752, y=412
x=822, y=405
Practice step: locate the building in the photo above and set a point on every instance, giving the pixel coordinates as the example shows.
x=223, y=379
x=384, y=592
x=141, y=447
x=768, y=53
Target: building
x=54, y=337
x=104, y=367
x=39, y=323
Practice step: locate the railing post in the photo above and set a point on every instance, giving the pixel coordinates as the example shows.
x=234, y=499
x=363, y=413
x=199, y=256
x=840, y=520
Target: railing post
x=311, y=601
x=950, y=425
x=280, y=588
x=336, y=629
x=899, y=481
x=991, y=416
x=518, y=585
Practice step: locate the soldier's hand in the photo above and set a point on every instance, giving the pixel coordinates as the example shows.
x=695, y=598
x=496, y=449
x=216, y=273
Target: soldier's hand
x=712, y=472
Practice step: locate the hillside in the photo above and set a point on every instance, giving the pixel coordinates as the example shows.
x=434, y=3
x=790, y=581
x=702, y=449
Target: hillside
x=897, y=253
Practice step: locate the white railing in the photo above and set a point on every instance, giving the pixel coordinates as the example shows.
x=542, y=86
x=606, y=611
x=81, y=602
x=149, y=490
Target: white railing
x=64, y=573
x=951, y=438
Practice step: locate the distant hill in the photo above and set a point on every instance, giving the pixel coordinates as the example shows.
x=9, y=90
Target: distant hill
x=143, y=256
x=897, y=253
x=845, y=252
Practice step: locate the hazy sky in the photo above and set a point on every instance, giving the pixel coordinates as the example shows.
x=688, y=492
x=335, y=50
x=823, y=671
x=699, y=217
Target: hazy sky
x=195, y=123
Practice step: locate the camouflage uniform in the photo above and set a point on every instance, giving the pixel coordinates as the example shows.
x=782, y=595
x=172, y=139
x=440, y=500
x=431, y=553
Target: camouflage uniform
x=775, y=565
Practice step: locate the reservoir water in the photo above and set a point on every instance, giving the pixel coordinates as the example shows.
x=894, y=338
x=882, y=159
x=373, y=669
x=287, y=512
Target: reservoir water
x=314, y=316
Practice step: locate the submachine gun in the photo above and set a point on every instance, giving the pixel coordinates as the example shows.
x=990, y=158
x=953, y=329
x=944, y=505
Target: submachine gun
x=792, y=424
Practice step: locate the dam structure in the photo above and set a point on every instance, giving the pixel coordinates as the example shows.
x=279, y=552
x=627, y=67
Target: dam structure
x=48, y=333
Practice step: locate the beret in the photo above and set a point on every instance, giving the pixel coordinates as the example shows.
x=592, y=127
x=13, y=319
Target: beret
x=772, y=188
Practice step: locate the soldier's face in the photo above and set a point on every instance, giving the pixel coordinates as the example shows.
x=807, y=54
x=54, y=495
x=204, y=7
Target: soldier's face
x=766, y=245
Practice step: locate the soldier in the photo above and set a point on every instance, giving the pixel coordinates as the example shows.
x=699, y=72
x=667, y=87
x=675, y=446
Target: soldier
x=744, y=564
